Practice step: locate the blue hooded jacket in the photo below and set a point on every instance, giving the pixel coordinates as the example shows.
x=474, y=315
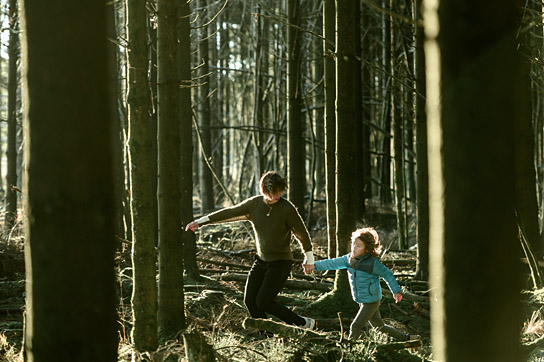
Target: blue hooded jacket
x=364, y=279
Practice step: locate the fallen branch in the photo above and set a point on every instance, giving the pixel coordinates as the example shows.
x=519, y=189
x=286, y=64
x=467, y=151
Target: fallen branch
x=397, y=346
x=422, y=312
x=291, y=284
x=281, y=329
x=222, y=263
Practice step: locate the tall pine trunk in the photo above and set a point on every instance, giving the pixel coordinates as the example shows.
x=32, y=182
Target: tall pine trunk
x=296, y=173
x=476, y=94
x=11, y=176
x=171, y=314
x=186, y=150
x=205, y=175
x=329, y=78
x=68, y=183
x=142, y=176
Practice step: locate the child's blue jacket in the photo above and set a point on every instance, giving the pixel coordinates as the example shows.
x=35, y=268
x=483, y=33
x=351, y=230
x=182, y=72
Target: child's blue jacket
x=365, y=278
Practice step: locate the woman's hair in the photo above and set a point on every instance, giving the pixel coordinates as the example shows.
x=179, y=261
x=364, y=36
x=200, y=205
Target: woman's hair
x=271, y=183
x=370, y=238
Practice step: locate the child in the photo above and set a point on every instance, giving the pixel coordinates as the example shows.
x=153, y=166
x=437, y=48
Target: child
x=365, y=271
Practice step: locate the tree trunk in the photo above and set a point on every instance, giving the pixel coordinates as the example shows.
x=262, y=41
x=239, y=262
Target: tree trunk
x=347, y=115
x=329, y=77
x=206, y=181
x=422, y=175
x=386, y=86
x=11, y=176
x=68, y=188
x=476, y=95
x=171, y=315
x=197, y=348
x=296, y=171
x=144, y=255
x=186, y=151
x=398, y=131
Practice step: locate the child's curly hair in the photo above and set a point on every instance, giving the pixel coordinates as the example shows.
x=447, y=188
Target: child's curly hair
x=370, y=238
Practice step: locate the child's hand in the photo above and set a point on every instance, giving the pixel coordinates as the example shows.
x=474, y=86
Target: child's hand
x=398, y=297
x=308, y=268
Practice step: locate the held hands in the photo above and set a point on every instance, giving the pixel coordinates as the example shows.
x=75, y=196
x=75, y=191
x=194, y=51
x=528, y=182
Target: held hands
x=308, y=268
x=398, y=297
x=192, y=225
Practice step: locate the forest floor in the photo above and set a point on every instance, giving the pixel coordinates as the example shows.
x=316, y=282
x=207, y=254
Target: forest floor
x=216, y=315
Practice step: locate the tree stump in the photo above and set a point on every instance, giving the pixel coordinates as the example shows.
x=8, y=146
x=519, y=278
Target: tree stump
x=197, y=348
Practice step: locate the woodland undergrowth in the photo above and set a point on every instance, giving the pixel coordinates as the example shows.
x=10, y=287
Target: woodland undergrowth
x=215, y=310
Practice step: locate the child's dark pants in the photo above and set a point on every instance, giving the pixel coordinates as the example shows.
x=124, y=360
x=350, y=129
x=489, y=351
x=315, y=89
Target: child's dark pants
x=370, y=312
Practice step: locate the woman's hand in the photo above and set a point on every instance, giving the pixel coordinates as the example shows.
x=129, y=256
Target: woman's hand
x=192, y=226
x=398, y=297
x=308, y=268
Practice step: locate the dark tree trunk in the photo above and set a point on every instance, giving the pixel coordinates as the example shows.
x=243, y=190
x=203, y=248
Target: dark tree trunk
x=68, y=188
x=205, y=175
x=143, y=197
x=296, y=173
x=186, y=151
x=422, y=174
x=171, y=314
x=476, y=95
x=329, y=29
x=11, y=176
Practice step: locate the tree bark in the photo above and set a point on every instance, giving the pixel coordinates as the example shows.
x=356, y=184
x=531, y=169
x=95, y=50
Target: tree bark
x=68, y=183
x=329, y=78
x=205, y=175
x=296, y=170
x=142, y=176
x=422, y=174
x=11, y=176
x=171, y=314
x=186, y=126
x=475, y=93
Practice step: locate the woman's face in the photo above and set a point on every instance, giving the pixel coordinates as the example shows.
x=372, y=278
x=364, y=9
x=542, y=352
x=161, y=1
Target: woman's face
x=357, y=248
x=272, y=198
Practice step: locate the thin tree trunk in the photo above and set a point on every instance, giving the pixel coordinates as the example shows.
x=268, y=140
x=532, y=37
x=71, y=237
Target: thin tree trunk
x=296, y=174
x=11, y=176
x=422, y=175
x=347, y=115
x=186, y=151
x=206, y=180
x=142, y=160
x=329, y=31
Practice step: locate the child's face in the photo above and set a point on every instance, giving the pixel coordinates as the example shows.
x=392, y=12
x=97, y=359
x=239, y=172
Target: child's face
x=357, y=248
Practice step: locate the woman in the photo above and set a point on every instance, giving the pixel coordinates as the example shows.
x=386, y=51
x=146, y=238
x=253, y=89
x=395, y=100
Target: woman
x=274, y=221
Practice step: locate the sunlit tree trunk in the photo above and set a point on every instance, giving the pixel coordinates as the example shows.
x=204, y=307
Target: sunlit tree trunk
x=68, y=183
x=11, y=176
x=329, y=79
x=144, y=255
x=476, y=93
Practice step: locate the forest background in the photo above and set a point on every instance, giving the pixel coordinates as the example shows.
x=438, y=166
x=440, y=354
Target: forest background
x=123, y=123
